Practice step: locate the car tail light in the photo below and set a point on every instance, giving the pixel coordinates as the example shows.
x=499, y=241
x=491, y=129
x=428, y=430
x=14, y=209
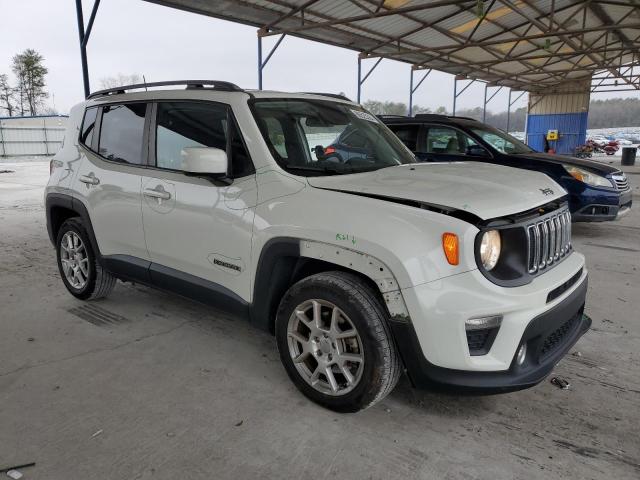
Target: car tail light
x=51, y=166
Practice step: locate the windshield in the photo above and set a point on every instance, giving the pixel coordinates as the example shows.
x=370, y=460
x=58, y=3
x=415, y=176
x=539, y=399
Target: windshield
x=503, y=142
x=317, y=137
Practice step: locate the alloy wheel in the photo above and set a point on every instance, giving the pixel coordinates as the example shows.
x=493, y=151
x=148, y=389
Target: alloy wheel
x=74, y=260
x=325, y=347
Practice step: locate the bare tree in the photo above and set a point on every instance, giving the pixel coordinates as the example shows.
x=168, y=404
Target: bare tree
x=30, y=71
x=385, y=108
x=119, y=80
x=417, y=109
x=7, y=95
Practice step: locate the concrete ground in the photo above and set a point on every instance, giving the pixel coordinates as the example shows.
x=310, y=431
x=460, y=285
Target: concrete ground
x=167, y=388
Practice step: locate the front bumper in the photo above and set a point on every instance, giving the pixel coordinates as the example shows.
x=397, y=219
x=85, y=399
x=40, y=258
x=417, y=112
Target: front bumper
x=599, y=211
x=549, y=330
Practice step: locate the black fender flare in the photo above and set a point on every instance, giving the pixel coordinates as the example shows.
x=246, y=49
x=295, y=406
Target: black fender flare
x=68, y=202
x=276, y=267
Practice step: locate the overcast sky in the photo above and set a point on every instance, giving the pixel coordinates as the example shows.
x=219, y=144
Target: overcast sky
x=133, y=36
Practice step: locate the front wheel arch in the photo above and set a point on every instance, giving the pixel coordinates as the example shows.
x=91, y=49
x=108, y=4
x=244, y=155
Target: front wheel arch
x=284, y=261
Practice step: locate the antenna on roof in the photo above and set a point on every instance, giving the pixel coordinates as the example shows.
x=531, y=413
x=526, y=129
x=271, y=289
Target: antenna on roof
x=144, y=80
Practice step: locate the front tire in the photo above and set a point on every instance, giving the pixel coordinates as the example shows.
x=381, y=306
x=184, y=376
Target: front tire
x=81, y=273
x=334, y=341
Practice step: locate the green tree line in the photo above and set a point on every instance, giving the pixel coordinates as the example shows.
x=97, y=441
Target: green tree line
x=614, y=112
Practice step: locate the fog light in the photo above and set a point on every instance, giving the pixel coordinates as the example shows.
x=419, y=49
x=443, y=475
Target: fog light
x=481, y=323
x=522, y=354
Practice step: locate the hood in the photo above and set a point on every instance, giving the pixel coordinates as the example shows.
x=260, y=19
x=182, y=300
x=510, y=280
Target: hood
x=482, y=189
x=596, y=167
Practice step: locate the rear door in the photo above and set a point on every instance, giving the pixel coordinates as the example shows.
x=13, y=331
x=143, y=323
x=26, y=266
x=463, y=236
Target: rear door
x=443, y=143
x=108, y=181
x=197, y=228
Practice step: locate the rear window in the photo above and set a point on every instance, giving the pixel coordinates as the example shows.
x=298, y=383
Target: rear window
x=122, y=132
x=88, y=126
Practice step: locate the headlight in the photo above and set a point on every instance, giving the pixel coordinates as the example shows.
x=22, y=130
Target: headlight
x=587, y=177
x=490, y=249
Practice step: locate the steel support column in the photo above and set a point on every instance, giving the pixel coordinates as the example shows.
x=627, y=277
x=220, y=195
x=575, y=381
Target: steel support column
x=362, y=79
x=509, y=111
x=486, y=101
x=84, y=39
x=413, y=89
x=509, y=107
x=261, y=64
x=456, y=94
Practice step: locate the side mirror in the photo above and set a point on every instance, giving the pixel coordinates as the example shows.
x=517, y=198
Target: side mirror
x=205, y=161
x=477, y=151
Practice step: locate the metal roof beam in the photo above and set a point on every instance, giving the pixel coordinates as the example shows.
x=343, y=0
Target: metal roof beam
x=494, y=41
x=372, y=15
x=538, y=23
x=459, y=38
x=602, y=15
x=554, y=55
x=290, y=13
x=416, y=30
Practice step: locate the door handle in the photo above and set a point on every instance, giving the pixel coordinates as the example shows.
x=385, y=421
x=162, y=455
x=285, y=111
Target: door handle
x=156, y=193
x=90, y=179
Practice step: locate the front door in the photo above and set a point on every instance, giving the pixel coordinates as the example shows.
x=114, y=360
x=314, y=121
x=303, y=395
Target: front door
x=197, y=228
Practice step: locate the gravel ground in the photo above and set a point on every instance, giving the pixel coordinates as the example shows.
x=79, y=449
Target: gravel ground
x=173, y=389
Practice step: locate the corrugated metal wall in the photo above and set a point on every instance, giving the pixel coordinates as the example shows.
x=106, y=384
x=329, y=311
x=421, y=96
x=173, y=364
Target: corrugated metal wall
x=565, y=109
x=27, y=136
x=562, y=103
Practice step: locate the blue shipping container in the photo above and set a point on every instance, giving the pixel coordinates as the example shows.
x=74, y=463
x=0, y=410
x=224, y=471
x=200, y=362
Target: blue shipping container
x=572, y=130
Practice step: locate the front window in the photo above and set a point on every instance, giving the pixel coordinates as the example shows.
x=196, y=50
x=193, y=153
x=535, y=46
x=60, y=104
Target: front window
x=317, y=137
x=502, y=142
x=198, y=124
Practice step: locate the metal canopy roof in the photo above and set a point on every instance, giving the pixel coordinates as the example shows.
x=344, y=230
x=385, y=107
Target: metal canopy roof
x=531, y=45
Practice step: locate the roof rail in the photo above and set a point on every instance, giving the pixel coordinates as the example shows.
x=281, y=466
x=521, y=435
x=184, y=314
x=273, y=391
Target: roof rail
x=190, y=84
x=332, y=95
x=466, y=118
x=436, y=116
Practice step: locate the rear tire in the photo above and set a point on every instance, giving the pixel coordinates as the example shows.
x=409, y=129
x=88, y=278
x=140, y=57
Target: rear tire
x=345, y=361
x=81, y=273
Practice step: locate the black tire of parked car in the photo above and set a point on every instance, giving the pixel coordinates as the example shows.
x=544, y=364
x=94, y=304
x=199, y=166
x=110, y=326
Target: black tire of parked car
x=99, y=282
x=358, y=300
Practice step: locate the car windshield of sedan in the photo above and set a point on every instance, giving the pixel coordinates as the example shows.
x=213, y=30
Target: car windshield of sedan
x=502, y=142
x=318, y=137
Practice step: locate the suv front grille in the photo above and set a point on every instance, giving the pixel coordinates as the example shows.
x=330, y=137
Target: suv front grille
x=621, y=181
x=548, y=240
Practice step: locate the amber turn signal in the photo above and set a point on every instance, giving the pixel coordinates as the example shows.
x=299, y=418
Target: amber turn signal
x=450, y=247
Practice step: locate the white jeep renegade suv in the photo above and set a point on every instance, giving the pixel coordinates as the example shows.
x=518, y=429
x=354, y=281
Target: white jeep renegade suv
x=362, y=262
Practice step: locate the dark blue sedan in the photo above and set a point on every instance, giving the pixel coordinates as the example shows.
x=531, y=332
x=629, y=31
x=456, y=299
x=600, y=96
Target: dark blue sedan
x=597, y=192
